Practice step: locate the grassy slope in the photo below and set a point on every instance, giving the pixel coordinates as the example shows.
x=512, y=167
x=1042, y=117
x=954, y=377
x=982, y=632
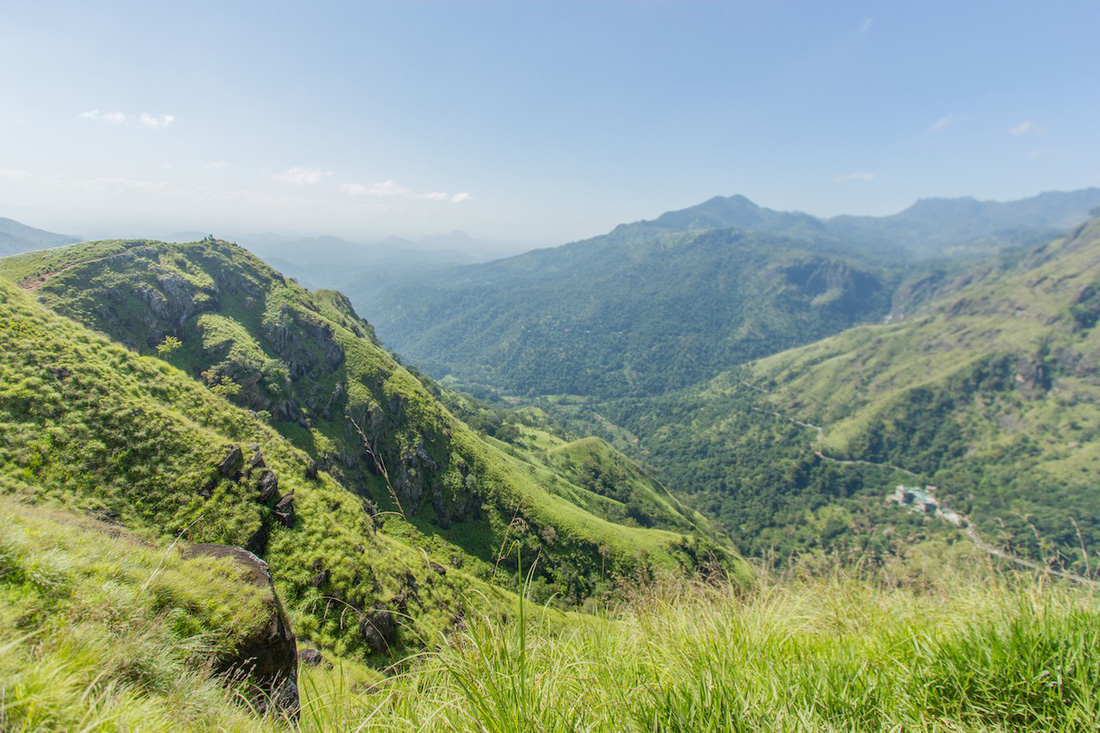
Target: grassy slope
x=101, y=631
x=993, y=392
x=311, y=366
x=986, y=387
x=91, y=425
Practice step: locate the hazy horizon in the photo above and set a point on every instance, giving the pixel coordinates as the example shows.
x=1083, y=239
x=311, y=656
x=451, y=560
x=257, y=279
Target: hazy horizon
x=535, y=123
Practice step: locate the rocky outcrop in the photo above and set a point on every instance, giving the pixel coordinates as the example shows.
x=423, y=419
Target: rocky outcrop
x=264, y=484
x=267, y=658
x=284, y=510
x=379, y=630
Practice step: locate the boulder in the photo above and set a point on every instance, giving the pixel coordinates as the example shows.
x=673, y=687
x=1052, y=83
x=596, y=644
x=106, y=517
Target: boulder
x=267, y=484
x=312, y=657
x=284, y=510
x=268, y=657
x=379, y=630
x=230, y=466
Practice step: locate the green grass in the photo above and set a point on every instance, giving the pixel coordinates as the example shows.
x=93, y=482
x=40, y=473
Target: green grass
x=837, y=652
x=102, y=631
x=311, y=368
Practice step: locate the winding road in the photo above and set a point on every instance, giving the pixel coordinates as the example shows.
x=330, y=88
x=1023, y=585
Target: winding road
x=969, y=530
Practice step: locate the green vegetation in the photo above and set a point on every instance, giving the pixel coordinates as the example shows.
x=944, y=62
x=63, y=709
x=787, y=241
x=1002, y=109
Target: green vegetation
x=833, y=653
x=101, y=631
x=920, y=644
x=436, y=506
x=660, y=305
x=477, y=531
x=87, y=424
x=987, y=390
x=991, y=395
x=630, y=313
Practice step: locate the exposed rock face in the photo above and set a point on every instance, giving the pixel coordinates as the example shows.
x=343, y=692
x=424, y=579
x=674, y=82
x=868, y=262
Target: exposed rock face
x=284, y=510
x=231, y=465
x=256, y=474
x=268, y=658
x=379, y=630
x=312, y=657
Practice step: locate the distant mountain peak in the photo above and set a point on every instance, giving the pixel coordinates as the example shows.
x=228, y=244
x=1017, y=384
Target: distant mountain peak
x=16, y=237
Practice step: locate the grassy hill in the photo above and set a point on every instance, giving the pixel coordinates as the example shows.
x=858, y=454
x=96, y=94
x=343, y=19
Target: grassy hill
x=107, y=628
x=989, y=390
x=102, y=631
x=309, y=374
x=992, y=393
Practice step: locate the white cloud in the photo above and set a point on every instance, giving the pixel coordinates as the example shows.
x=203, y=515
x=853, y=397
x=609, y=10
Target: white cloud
x=216, y=165
x=95, y=114
x=948, y=120
x=855, y=176
x=128, y=184
x=385, y=188
x=392, y=188
x=299, y=176
x=1025, y=127
x=867, y=23
x=157, y=123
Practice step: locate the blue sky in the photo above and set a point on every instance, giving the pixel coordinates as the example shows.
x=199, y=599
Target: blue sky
x=534, y=122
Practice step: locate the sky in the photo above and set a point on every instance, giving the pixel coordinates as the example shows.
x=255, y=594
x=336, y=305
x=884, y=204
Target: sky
x=530, y=122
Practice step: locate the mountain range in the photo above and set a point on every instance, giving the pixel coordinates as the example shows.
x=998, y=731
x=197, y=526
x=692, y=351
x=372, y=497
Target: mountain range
x=662, y=304
x=721, y=381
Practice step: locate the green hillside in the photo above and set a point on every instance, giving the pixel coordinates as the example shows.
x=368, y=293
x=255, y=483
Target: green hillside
x=106, y=627
x=305, y=364
x=631, y=312
x=101, y=630
x=993, y=395
x=89, y=425
x=989, y=391
x=664, y=304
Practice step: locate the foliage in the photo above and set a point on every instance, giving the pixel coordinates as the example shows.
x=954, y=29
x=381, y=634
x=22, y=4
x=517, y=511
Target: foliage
x=169, y=345
x=102, y=631
x=918, y=644
x=629, y=313
x=101, y=428
x=988, y=391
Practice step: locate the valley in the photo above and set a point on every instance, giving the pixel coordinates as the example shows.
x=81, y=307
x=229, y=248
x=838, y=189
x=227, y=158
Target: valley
x=178, y=396
x=641, y=366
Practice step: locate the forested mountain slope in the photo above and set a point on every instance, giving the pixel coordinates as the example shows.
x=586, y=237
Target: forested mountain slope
x=132, y=437
x=628, y=313
x=663, y=304
x=991, y=392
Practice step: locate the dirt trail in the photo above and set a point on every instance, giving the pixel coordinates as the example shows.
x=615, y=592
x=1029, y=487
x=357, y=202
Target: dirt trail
x=34, y=282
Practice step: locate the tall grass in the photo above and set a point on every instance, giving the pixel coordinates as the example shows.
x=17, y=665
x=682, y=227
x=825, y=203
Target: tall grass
x=105, y=634
x=839, y=652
